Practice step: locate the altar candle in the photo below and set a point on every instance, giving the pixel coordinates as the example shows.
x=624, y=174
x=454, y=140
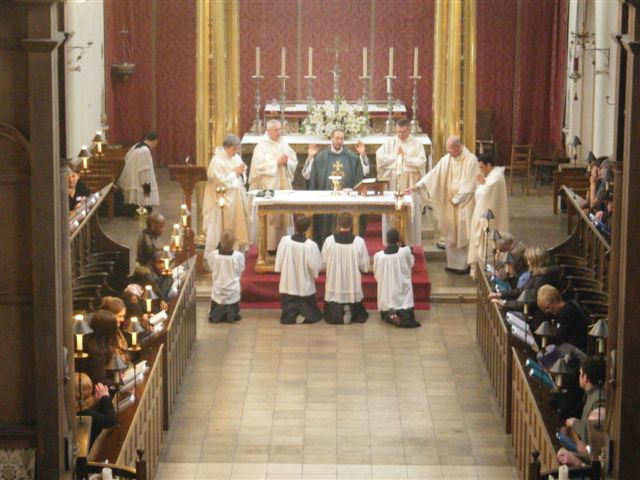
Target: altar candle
x=364, y=62
x=391, y=61
x=257, y=61
x=310, y=62
x=415, y=61
x=283, y=55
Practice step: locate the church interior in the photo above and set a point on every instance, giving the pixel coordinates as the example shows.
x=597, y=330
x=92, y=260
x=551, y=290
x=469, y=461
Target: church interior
x=522, y=363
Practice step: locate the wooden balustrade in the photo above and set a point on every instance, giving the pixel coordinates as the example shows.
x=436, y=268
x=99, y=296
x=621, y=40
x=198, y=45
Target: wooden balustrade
x=495, y=342
x=532, y=420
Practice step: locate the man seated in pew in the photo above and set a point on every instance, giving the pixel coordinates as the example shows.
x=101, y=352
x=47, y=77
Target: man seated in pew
x=592, y=377
x=95, y=403
x=163, y=285
x=77, y=189
x=226, y=266
x=299, y=262
x=392, y=270
x=345, y=256
x=569, y=317
x=149, y=241
x=543, y=272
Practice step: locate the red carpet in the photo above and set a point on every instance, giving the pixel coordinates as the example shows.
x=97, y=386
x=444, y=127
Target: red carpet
x=260, y=290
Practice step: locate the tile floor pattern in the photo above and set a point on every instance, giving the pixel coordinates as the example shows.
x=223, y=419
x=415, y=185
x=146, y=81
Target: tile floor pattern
x=264, y=401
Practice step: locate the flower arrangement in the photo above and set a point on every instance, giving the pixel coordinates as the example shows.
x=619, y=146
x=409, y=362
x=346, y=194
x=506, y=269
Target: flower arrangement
x=324, y=118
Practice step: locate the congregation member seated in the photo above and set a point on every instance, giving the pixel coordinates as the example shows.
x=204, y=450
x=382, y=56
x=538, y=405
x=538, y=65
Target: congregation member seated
x=226, y=266
x=601, y=216
x=101, y=345
x=543, y=272
x=592, y=376
x=116, y=306
x=132, y=297
x=161, y=282
x=344, y=256
x=299, y=262
x=569, y=317
x=77, y=189
x=149, y=240
x=510, y=272
x=600, y=175
x=392, y=270
x=95, y=403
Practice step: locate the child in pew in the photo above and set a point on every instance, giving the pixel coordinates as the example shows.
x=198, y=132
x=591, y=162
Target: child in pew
x=94, y=402
x=345, y=256
x=299, y=262
x=226, y=266
x=392, y=270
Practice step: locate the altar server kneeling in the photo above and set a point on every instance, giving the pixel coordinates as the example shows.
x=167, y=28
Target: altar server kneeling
x=392, y=269
x=299, y=262
x=226, y=266
x=345, y=256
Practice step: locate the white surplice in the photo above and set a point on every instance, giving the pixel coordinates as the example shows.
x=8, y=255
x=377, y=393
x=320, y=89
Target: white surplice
x=299, y=265
x=343, y=264
x=236, y=214
x=490, y=195
x=409, y=169
x=225, y=276
x=393, y=274
x=137, y=171
x=265, y=173
x=451, y=185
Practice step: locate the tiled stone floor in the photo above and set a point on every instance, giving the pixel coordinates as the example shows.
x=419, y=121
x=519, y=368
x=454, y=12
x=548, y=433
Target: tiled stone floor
x=261, y=401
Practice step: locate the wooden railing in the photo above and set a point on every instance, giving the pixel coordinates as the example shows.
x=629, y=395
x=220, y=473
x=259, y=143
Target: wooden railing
x=532, y=420
x=87, y=237
x=574, y=178
x=139, y=426
x=585, y=240
x=495, y=342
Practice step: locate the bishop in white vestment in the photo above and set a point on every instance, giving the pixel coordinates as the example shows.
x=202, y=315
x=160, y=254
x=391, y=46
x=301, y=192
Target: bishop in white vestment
x=138, y=179
x=272, y=167
x=451, y=185
x=225, y=197
x=402, y=162
x=392, y=270
x=345, y=256
x=491, y=194
x=299, y=262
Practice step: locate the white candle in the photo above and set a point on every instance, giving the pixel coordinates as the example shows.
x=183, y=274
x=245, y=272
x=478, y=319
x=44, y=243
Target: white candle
x=148, y=299
x=134, y=338
x=311, y=61
x=79, y=343
x=283, y=55
x=388, y=85
x=391, y=62
x=364, y=62
x=415, y=61
x=257, y=61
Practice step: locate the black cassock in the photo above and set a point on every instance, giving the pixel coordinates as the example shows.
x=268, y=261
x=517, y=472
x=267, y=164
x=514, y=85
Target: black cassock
x=324, y=225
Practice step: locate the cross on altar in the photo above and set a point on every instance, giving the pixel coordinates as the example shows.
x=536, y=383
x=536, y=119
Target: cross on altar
x=336, y=70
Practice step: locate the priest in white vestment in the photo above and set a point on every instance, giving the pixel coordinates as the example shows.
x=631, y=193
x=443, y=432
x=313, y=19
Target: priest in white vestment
x=272, y=167
x=402, y=162
x=392, y=270
x=225, y=197
x=226, y=266
x=138, y=179
x=451, y=185
x=345, y=256
x=491, y=194
x=299, y=262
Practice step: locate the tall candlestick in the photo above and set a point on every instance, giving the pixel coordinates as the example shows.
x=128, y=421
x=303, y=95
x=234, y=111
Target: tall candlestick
x=257, y=61
x=391, y=61
x=283, y=56
x=311, y=61
x=364, y=62
x=415, y=61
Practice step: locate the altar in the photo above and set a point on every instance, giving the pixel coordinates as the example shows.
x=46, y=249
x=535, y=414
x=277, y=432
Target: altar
x=309, y=202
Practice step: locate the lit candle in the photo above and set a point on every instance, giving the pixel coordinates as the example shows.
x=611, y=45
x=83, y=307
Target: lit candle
x=415, y=61
x=388, y=85
x=257, y=61
x=283, y=56
x=311, y=61
x=167, y=257
x=364, y=62
x=183, y=215
x=79, y=343
x=134, y=334
x=148, y=297
x=391, y=61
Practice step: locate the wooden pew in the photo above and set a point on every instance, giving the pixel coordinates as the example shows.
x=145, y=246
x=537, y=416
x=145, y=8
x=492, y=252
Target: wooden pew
x=574, y=178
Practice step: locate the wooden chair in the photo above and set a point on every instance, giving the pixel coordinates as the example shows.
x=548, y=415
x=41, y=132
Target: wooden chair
x=520, y=163
x=547, y=156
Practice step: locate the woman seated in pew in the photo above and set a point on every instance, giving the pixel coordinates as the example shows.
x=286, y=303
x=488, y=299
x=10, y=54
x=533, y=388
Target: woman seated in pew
x=95, y=403
x=543, y=272
x=101, y=345
x=132, y=297
x=77, y=189
x=569, y=317
x=116, y=306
